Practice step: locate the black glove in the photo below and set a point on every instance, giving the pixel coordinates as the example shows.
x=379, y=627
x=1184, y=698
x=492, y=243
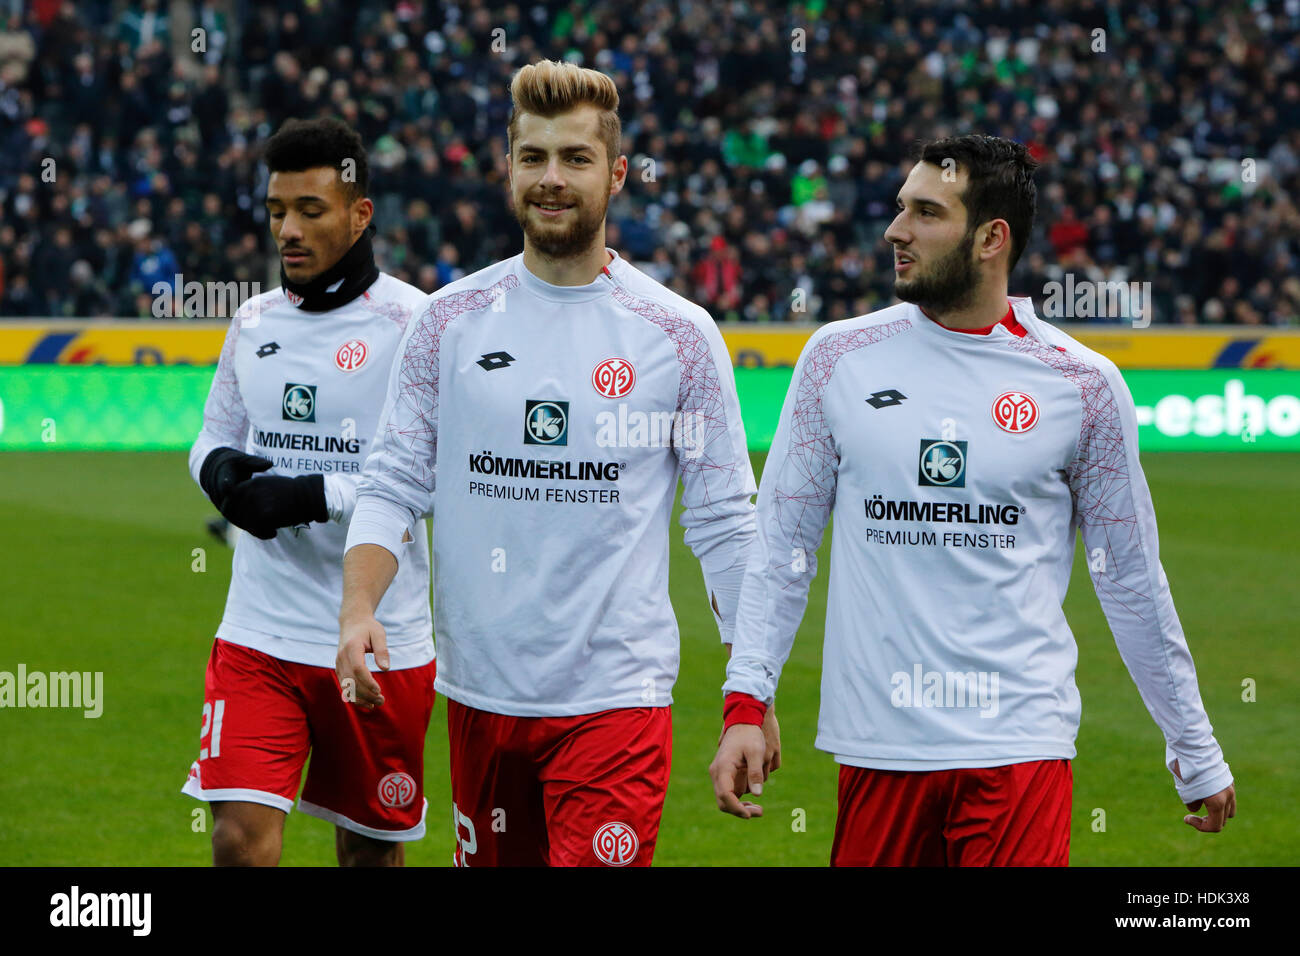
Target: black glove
x=263, y=504
x=226, y=467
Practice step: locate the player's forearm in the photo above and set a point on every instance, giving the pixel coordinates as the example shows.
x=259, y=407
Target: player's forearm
x=199, y=451
x=368, y=570
x=767, y=617
x=340, y=497
x=724, y=573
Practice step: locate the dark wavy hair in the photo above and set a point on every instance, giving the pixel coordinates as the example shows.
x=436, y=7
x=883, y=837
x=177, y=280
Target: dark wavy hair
x=309, y=144
x=999, y=185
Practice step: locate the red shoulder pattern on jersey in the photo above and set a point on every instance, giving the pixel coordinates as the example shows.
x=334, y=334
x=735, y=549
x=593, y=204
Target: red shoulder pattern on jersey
x=699, y=392
x=391, y=309
x=224, y=413
x=1098, y=475
x=417, y=384
x=811, y=449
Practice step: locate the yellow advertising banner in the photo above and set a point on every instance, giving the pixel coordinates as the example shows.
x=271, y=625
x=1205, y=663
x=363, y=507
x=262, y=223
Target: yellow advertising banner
x=195, y=342
x=1149, y=348
x=111, y=342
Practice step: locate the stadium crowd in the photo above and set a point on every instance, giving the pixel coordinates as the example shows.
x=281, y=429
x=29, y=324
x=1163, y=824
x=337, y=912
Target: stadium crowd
x=766, y=140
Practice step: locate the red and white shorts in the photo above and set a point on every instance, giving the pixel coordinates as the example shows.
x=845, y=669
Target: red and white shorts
x=558, y=791
x=261, y=717
x=1015, y=815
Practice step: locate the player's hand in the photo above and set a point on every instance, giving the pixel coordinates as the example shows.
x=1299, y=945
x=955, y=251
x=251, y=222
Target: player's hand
x=738, y=768
x=1220, y=807
x=263, y=504
x=356, y=637
x=226, y=467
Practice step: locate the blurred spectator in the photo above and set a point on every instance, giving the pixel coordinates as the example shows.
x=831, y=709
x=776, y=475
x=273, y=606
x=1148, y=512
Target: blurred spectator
x=1068, y=234
x=761, y=178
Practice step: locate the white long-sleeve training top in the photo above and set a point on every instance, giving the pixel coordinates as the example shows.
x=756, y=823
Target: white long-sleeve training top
x=555, y=421
x=305, y=390
x=958, y=467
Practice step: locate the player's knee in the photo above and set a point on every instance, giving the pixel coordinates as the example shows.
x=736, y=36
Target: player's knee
x=238, y=841
x=355, y=849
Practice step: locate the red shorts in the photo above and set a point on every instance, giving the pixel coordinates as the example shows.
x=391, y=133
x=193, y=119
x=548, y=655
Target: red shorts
x=558, y=791
x=261, y=717
x=1016, y=815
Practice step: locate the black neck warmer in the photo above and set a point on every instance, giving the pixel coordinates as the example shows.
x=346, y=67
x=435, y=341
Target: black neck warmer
x=340, y=283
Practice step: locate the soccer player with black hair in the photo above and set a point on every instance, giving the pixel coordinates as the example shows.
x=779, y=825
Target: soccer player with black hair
x=287, y=424
x=961, y=444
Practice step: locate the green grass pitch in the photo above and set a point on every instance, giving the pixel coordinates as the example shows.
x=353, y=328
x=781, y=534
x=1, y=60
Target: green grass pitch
x=97, y=564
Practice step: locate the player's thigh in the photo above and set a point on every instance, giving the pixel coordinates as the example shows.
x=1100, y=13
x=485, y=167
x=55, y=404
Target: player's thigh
x=254, y=737
x=496, y=796
x=604, y=782
x=367, y=766
x=888, y=818
x=1017, y=815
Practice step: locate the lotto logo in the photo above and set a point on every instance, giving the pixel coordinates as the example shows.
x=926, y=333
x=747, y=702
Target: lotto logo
x=351, y=355
x=397, y=790
x=613, y=378
x=615, y=844
x=1015, y=412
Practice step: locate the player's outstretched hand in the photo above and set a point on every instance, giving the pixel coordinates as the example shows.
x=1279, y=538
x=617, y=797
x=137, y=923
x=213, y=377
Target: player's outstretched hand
x=355, y=639
x=1219, y=809
x=738, y=768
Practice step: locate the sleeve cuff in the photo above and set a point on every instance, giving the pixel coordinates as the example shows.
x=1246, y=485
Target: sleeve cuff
x=339, y=500
x=1206, y=786
x=378, y=521
x=740, y=708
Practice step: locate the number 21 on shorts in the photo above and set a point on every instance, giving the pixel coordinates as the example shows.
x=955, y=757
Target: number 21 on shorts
x=213, y=711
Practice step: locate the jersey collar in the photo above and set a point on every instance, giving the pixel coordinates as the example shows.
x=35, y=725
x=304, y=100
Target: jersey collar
x=570, y=293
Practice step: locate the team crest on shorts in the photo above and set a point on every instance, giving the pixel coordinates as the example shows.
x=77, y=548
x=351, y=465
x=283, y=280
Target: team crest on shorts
x=397, y=790
x=614, y=377
x=351, y=355
x=1015, y=412
x=615, y=844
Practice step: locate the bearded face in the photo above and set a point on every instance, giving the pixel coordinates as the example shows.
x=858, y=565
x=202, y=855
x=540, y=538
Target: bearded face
x=561, y=223
x=560, y=181
x=943, y=283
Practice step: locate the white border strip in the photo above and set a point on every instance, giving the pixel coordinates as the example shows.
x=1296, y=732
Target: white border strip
x=397, y=836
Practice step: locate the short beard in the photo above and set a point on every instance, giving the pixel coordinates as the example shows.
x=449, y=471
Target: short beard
x=950, y=286
x=578, y=238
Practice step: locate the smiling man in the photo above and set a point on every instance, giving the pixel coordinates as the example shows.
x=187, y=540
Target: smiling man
x=554, y=399
x=961, y=443
x=288, y=421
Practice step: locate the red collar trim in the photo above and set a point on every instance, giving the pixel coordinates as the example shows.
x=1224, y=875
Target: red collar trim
x=1008, y=321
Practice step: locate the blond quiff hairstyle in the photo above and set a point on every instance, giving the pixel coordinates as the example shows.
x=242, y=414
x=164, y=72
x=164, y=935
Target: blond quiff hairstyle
x=548, y=88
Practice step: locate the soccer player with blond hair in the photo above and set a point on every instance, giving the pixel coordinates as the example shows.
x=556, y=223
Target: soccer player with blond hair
x=542, y=411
